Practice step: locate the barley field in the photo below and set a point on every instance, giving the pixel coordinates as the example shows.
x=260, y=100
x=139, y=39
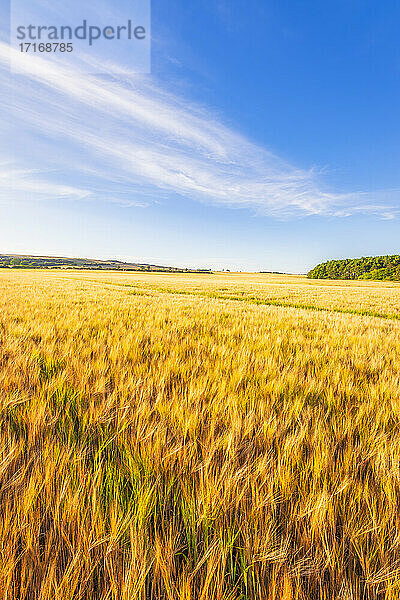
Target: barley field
x=198, y=437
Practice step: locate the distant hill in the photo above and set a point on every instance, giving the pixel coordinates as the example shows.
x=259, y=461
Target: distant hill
x=385, y=268
x=15, y=261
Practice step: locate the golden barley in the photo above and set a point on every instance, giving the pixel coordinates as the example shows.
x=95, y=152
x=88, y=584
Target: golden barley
x=198, y=437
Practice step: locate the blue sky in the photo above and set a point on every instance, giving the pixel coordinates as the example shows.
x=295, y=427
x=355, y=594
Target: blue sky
x=265, y=138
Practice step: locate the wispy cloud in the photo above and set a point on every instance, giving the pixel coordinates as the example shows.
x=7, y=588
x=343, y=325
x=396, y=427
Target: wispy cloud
x=123, y=138
x=24, y=184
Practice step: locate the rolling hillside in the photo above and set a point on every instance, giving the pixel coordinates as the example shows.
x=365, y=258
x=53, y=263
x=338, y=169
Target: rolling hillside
x=16, y=261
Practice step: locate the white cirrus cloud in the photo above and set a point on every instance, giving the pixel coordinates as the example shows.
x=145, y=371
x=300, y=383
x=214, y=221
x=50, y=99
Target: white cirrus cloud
x=24, y=184
x=124, y=138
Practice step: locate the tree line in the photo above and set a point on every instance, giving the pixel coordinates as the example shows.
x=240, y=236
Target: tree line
x=384, y=268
